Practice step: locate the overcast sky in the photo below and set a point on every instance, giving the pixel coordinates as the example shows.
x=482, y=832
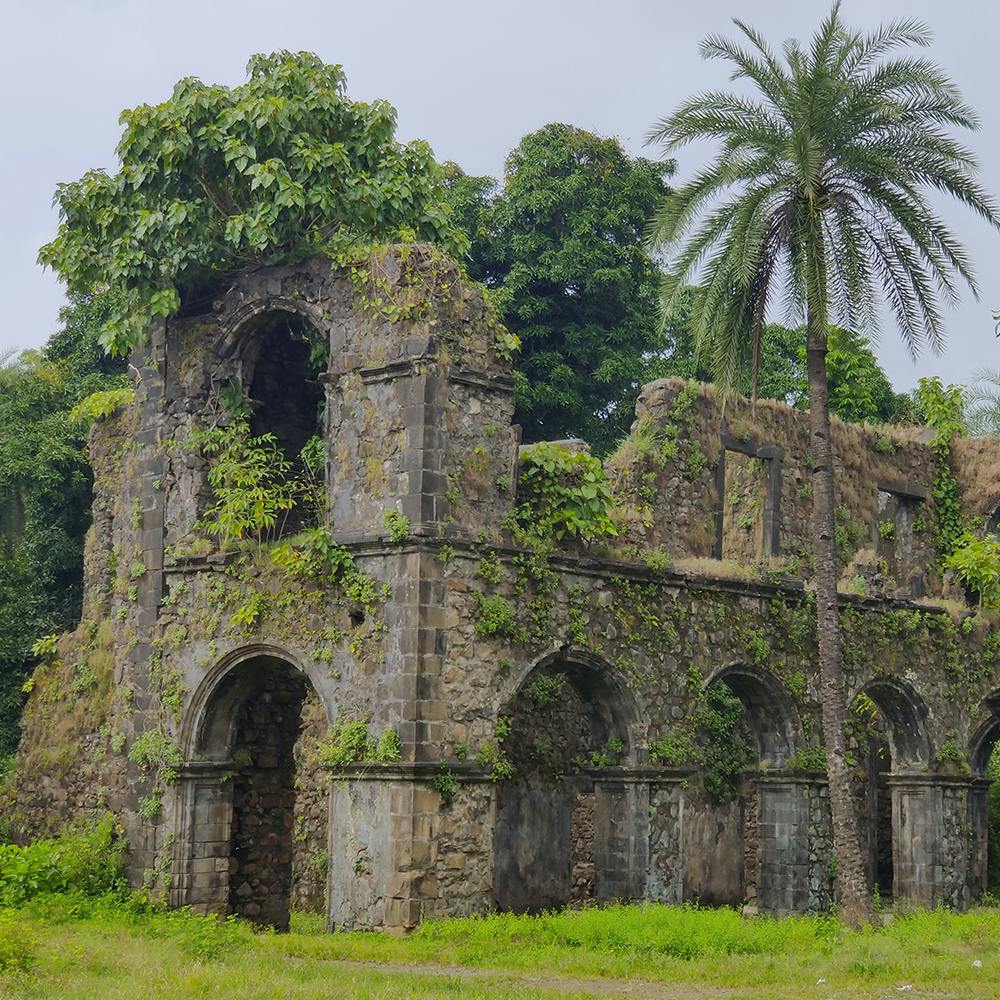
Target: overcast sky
x=471, y=78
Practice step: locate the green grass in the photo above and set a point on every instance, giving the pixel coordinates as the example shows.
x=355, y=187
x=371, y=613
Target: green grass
x=73, y=946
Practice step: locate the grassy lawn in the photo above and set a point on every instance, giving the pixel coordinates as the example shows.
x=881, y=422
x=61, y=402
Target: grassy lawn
x=65, y=946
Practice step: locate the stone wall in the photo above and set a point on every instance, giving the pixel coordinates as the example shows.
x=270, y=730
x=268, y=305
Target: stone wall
x=545, y=700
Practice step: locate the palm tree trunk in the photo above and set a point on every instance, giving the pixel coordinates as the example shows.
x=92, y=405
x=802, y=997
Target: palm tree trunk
x=852, y=888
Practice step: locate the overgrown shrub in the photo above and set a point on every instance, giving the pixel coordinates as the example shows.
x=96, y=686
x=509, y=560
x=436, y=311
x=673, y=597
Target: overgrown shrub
x=87, y=861
x=564, y=493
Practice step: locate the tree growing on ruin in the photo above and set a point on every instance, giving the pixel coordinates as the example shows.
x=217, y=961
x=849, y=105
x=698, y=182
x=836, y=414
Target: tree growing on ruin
x=818, y=194
x=216, y=179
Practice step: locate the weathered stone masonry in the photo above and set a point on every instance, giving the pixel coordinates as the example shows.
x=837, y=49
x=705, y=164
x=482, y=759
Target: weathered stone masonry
x=225, y=672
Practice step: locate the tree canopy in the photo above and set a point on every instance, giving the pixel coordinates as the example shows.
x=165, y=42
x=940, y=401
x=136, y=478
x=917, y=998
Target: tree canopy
x=560, y=245
x=217, y=178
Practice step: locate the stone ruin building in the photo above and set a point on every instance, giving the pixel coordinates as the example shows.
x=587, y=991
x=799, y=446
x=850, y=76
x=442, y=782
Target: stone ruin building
x=544, y=705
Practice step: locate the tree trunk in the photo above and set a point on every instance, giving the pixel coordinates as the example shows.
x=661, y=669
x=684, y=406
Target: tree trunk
x=852, y=888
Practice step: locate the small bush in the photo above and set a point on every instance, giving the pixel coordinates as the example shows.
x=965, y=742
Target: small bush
x=17, y=953
x=85, y=861
x=348, y=742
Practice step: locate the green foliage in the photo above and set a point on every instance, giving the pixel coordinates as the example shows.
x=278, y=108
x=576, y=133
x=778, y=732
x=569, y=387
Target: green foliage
x=977, y=563
x=45, y=490
x=17, y=949
x=724, y=741
x=252, y=481
x=982, y=403
x=495, y=615
x=493, y=757
x=154, y=751
x=86, y=861
x=805, y=163
x=348, y=741
x=46, y=646
x=314, y=555
x=564, y=493
x=398, y=525
x=490, y=568
x=545, y=689
x=859, y=389
x=560, y=247
x=676, y=749
x=812, y=758
x=101, y=404
x=943, y=409
x=445, y=784
x=951, y=752
x=216, y=178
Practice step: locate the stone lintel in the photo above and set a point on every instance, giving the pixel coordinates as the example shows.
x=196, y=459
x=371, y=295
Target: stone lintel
x=928, y=780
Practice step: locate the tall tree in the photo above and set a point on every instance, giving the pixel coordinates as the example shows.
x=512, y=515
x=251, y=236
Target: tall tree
x=45, y=492
x=561, y=246
x=818, y=190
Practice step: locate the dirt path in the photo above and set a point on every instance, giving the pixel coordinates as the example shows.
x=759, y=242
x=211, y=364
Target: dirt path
x=636, y=988
x=559, y=984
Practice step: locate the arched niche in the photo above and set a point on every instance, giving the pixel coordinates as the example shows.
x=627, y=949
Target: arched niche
x=561, y=818
x=905, y=715
x=769, y=708
x=748, y=846
x=237, y=848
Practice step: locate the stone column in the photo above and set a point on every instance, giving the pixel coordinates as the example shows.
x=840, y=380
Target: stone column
x=793, y=834
x=930, y=853
x=399, y=852
x=979, y=790
x=665, y=853
x=203, y=822
x=621, y=835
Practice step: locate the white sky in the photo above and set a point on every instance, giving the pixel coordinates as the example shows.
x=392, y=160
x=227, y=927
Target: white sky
x=469, y=77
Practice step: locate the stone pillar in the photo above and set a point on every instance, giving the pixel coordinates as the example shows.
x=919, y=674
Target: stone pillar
x=203, y=833
x=930, y=851
x=979, y=790
x=664, y=855
x=621, y=836
x=793, y=836
x=400, y=853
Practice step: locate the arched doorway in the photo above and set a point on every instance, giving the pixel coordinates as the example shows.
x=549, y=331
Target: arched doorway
x=741, y=835
x=568, y=826
x=889, y=743
x=238, y=836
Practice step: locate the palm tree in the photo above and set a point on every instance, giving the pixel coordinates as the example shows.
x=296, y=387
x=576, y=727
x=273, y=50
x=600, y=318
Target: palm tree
x=982, y=403
x=817, y=193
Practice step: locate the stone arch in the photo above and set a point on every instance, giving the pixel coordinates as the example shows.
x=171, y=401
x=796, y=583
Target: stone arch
x=572, y=743
x=600, y=684
x=276, y=350
x=984, y=739
x=896, y=747
x=769, y=707
x=237, y=800
x=905, y=714
x=985, y=852
x=761, y=848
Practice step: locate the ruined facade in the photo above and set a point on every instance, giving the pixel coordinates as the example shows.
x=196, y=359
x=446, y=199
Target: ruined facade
x=542, y=704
